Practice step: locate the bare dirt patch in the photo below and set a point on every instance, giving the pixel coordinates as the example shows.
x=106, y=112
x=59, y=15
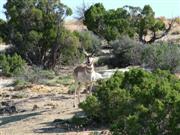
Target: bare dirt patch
x=38, y=106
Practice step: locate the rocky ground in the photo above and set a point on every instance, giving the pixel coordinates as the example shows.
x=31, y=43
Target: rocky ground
x=38, y=110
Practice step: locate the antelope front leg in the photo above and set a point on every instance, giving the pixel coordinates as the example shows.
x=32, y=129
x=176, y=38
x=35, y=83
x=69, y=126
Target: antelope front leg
x=75, y=94
x=90, y=88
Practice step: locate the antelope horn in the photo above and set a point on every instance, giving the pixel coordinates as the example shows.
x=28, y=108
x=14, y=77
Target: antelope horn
x=84, y=51
x=92, y=54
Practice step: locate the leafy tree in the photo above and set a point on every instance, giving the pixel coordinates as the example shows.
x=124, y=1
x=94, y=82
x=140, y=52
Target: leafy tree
x=128, y=20
x=35, y=29
x=149, y=24
x=108, y=24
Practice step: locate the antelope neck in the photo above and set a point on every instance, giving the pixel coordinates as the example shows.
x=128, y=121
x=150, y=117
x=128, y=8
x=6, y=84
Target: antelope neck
x=89, y=68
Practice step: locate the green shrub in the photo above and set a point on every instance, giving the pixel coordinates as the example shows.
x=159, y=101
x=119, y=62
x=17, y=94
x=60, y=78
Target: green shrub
x=163, y=56
x=90, y=104
x=137, y=103
x=126, y=52
x=11, y=65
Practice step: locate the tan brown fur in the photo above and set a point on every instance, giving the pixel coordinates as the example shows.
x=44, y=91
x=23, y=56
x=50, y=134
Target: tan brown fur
x=84, y=74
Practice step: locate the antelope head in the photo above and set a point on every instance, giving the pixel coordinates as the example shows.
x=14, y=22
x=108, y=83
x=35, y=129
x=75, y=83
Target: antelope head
x=89, y=58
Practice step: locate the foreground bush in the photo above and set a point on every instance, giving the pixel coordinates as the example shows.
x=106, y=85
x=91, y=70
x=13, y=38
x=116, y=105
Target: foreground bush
x=137, y=103
x=11, y=65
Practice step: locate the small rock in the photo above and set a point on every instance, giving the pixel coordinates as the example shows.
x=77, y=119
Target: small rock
x=8, y=109
x=35, y=107
x=105, y=132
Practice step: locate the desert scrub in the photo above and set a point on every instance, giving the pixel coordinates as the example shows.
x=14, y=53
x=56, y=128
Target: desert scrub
x=137, y=103
x=65, y=80
x=176, y=32
x=72, y=88
x=127, y=52
x=35, y=75
x=163, y=56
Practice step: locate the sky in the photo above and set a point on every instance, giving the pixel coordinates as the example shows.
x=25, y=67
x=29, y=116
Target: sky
x=167, y=8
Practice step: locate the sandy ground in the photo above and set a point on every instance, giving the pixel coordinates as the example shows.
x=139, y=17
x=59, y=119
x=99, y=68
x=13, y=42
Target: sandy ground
x=3, y=47
x=39, y=106
x=5, y=82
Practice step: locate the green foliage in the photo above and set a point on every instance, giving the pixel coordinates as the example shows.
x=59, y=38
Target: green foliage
x=108, y=24
x=70, y=53
x=90, y=104
x=137, y=102
x=131, y=21
x=93, y=16
x=148, y=23
x=35, y=29
x=11, y=65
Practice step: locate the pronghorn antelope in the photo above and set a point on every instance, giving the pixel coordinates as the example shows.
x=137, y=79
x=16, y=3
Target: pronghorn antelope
x=84, y=74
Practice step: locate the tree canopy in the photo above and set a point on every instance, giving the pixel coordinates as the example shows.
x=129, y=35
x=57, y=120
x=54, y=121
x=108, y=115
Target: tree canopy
x=127, y=20
x=108, y=24
x=35, y=28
